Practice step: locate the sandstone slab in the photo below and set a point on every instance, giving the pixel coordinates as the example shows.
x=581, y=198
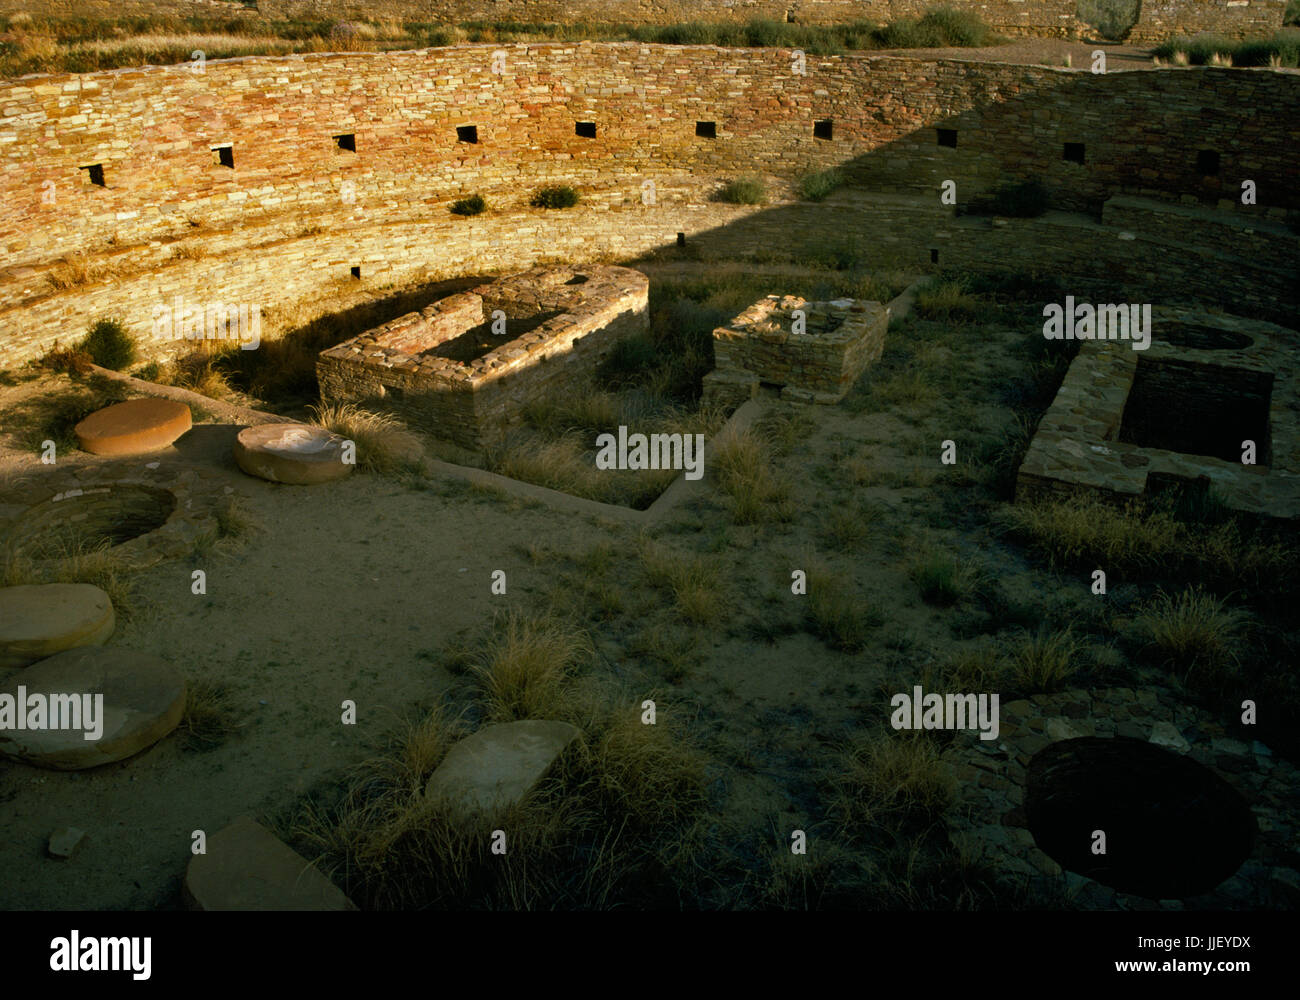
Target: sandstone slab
x=498, y=766
x=247, y=868
x=39, y=620
x=65, y=843
x=134, y=427
x=291, y=453
x=143, y=700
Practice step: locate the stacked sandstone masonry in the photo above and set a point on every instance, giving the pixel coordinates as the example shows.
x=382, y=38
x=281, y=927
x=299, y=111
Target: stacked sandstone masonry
x=584, y=314
x=1163, y=19
x=819, y=364
x=299, y=210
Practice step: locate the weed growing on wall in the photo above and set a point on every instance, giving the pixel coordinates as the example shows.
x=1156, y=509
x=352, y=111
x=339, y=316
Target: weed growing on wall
x=744, y=191
x=472, y=205
x=555, y=196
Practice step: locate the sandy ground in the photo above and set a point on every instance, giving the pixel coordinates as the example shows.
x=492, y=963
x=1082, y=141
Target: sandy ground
x=348, y=592
x=353, y=591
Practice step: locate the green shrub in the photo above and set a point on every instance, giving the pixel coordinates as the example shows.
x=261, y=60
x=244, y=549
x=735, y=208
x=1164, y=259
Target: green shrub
x=555, y=196
x=1292, y=15
x=815, y=187
x=109, y=344
x=744, y=191
x=940, y=28
x=1113, y=19
x=472, y=205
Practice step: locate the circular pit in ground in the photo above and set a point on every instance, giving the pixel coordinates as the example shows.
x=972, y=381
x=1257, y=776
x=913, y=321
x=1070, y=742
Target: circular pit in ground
x=85, y=520
x=1173, y=828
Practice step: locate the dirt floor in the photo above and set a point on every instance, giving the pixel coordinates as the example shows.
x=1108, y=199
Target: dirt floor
x=353, y=591
x=374, y=588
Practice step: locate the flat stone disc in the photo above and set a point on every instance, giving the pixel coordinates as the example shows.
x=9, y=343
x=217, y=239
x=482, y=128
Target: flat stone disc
x=39, y=620
x=248, y=868
x=301, y=454
x=499, y=765
x=144, y=699
x=133, y=427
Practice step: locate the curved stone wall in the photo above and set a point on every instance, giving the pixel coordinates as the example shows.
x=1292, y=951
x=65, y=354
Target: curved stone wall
x=296, y=208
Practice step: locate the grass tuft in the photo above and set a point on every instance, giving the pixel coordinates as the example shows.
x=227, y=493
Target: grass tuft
x=384, y=445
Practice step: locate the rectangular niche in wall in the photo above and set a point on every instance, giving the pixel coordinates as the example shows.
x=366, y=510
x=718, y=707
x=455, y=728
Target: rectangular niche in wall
x=823, y=128
x=1207, y=163
x=94, y=174
x=706, y=130
x=347, y=141
x=356, y=271
x=948, y=137
x=1073, y=152
x=225, y=155
x=467, y=133
x=586, y=130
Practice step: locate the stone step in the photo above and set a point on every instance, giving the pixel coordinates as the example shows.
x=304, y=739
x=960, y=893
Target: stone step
x=498, y=766
x=39, y=620
x=134, y=699
x=246, y=867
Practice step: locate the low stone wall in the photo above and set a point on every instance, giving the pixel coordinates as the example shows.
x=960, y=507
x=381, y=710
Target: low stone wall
x=817, y=364
x=472, y=401
x=1162, y=19
x=1118, y=424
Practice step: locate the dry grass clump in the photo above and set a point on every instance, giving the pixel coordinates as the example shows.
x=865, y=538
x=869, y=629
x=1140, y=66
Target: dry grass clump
x=616, y=821
x=1195, y=636
x=1080, y=535
x=559, y=449
x=525, y=666
x=836, y=613
x=567, y=463
x=892, y=779
x=75, y=270
x=1044, y=661
x=234, y=523
x=949, y=302
x=69, y=559
x=384, y=445
x=211, y=714
x=979, y=668
x=593, y=412
x=198, y=372
x=941, y=578
x=695, y=583
x=744, y=472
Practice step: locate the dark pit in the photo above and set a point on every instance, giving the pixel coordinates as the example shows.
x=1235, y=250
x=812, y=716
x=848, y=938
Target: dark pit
x=101, y=517
x=1198, y=409
x=1204, y=338
x=1173, y=827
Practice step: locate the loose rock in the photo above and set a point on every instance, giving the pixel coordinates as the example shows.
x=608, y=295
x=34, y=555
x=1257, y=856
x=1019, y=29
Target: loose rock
x=39, y=620
x=498, y=766
x=247, y=868
x=143, y=700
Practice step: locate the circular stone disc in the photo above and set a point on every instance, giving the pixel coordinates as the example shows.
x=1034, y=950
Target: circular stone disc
x=291, y=453
x=143, y=701
x=39, y=620
x=138, y=425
